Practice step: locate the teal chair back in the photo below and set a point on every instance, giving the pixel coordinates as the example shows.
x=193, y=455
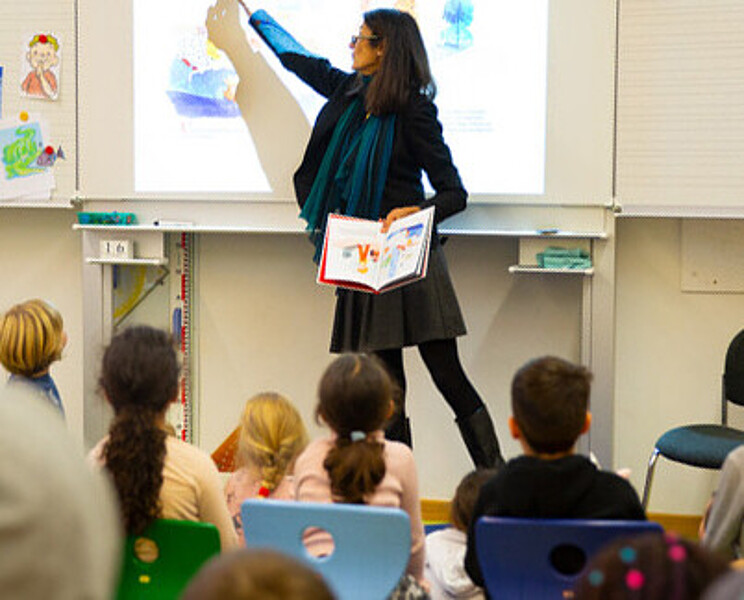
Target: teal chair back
x=159, y=563
x=372, y=544
x=535, y=559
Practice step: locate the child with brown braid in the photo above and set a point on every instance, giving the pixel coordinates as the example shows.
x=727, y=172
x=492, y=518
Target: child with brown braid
x=272, y=435
x=355, y=463
x=156, y=475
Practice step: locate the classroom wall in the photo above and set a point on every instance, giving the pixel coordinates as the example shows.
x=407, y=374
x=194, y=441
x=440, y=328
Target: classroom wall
x=42, y=258
x=264, y=323
x=670, y=348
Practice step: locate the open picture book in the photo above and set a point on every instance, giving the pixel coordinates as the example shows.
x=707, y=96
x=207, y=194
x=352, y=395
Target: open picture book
x=357, y=255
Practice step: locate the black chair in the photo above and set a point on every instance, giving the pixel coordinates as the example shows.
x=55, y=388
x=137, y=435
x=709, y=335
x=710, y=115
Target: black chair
x=705, y=445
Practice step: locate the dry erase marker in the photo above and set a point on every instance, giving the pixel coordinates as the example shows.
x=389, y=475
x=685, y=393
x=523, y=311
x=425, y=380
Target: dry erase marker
x=548, y=231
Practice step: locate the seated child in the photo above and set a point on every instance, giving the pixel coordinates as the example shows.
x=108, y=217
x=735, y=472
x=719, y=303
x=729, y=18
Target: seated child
x=252, y=574
x=155, y=474
x=32, y=337
x=445, y=548
x=729, y=586
x=355, y=463
x=272, y=435
x=723, y=528
x=550, y=398
x=651, y=566
x=59, y=531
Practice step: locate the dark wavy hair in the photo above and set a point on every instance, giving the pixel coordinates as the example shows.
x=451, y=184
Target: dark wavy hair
x=355, y=395
x=404, y=69
x=139, y=377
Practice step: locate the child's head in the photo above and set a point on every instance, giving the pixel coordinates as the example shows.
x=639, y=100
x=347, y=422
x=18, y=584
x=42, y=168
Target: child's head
x=32, y=337
x=461, y=508
x=355, y=394
x=272, y=435
x=253, y=574
x=651, y=566
x=550, y=398
x=355, y=400
x=140, y=371
x=139, y=376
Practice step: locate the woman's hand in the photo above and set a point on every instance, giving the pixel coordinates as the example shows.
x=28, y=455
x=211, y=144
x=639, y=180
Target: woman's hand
x=398, y=213
x=223, y=24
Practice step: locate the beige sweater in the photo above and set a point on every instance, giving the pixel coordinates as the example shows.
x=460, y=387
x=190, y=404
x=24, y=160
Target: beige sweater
x=192, y=490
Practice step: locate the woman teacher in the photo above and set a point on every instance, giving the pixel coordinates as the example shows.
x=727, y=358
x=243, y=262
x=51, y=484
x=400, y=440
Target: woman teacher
x=370, y=143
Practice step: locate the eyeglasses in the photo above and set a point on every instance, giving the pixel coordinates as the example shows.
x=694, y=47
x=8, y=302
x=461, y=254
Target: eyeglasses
x=369, y=38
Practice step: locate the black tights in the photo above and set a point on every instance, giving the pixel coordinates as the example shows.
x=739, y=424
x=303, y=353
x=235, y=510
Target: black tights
x=443, y=363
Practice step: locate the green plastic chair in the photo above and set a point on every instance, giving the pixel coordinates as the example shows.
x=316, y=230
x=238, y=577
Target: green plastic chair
x=159, y=563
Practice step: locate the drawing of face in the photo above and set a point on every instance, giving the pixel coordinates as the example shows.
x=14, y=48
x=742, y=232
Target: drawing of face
x=42, y=56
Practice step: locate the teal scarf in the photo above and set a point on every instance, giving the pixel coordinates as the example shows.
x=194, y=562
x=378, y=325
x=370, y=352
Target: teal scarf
x=352, y=175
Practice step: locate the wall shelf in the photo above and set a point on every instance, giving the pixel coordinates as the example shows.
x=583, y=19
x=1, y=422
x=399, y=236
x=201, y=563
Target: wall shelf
x=532, y=269
x=92, y=260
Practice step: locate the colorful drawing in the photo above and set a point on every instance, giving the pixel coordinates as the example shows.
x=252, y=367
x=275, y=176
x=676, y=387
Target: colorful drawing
x=21, y=175
x=20, y=151
x=459, y=15
x=43, y=55
x=398, y=253
x=202, y=81
x=49, y=156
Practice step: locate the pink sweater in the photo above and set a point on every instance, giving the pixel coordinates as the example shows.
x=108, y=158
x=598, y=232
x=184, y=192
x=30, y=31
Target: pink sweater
x=399, y=488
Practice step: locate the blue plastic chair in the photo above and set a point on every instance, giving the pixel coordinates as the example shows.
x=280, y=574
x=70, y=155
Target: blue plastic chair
x=538, y=559
x=705, y=445
x=372, y=544
x=158, y=564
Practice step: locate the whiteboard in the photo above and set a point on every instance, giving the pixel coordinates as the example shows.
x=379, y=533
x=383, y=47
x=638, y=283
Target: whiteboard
x=579, y=116
x=19, y=22
x=680, y=131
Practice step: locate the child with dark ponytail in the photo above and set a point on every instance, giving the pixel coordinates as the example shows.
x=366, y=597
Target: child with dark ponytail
x=356, y=464
x=155, y=474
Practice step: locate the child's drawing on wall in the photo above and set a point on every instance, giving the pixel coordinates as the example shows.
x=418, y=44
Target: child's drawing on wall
x=43, y=56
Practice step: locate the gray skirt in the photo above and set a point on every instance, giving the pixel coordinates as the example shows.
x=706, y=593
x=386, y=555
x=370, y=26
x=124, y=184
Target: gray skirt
x=406, y=316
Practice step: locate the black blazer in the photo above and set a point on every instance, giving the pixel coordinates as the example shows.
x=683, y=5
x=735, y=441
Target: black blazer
x=418, y=144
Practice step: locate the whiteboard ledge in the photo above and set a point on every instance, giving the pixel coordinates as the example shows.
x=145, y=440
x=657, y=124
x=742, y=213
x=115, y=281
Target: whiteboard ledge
x=526, y=233
x=65, y=205
x=685, y=212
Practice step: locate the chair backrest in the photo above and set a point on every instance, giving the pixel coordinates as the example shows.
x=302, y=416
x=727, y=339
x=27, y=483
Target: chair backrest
x=543, y=558
x=372, y=544
x=159, y=563
x=733, y=375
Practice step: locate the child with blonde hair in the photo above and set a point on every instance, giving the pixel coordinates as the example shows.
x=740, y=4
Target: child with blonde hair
x=271, y=437
x=32, y=337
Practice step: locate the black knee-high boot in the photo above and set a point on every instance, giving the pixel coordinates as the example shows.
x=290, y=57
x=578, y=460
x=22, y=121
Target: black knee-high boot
x=399, y=429
x=480, y=439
